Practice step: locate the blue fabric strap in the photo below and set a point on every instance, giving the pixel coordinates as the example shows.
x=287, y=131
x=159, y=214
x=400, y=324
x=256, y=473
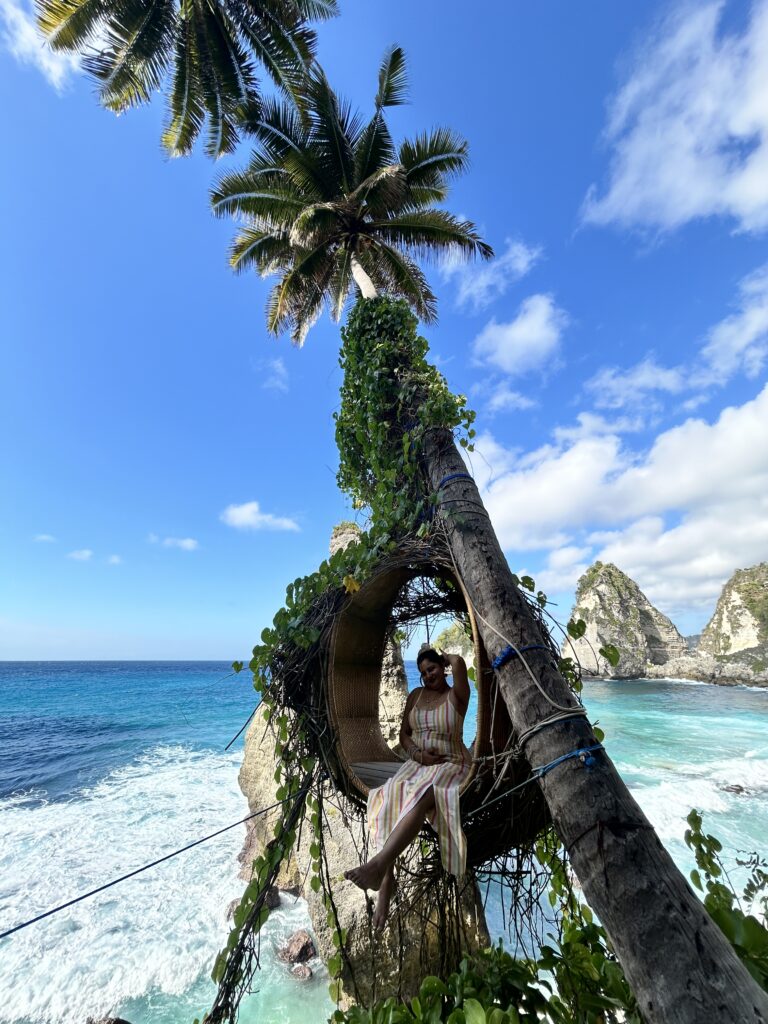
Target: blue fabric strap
x=454, y=476
x=509, y=653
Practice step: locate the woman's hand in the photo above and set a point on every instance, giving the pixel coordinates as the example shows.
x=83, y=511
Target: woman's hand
x=430, y=757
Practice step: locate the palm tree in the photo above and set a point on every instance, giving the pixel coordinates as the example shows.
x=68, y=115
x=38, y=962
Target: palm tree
x=330, y=201
x=324, y=202
x=206, y=51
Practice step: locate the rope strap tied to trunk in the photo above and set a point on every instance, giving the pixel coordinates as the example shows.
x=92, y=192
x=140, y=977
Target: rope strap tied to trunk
x=454, y=476
x=510, y=652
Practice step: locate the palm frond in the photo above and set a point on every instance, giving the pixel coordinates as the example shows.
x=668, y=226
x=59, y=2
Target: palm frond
x=139, y=46
x=235, y=194
x=265, y=252
x=186, y=113
x=341, y=282
x=319, y=220
x=431, y=157
x=374, y=148
x=293, y=286
x=382, y=190
x=69, y=24
x=394, y=272
x=285, y=49
x=335, y=129
x=217, y=80
x=278, y=130
x=393, y=79
x=317, y=10
x=432, y=232
x=304, y=314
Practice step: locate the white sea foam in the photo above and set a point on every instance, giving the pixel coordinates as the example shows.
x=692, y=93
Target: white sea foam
x=667, y=792
x=156, y=933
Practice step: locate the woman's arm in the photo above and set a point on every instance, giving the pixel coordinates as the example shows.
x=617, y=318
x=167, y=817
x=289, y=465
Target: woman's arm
x=460, y=680
x=406, y=730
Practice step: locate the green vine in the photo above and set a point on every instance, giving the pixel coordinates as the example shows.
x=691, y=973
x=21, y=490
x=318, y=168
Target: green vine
x=391, y=396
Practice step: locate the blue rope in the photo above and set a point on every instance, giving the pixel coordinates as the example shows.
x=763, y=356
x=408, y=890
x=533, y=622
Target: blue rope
x=587, y=760
x=584, y=753
x=454, y=476
x=509, y=653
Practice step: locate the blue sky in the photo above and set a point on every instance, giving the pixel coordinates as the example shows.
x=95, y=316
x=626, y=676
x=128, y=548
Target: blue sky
x=167, y=468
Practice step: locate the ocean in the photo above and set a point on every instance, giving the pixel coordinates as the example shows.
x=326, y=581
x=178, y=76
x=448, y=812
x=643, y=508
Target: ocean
x=105, y=766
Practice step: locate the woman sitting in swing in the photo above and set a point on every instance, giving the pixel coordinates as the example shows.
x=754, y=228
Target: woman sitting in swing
x=427, y=786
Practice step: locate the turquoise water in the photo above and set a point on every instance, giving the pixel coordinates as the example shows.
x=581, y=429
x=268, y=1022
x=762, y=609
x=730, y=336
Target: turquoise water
x=105, y=766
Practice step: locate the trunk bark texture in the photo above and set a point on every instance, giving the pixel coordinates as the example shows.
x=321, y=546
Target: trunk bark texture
x=681, y=967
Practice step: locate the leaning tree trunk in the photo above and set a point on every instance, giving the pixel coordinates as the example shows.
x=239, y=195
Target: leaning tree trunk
x=679, y=964
x=363, y=281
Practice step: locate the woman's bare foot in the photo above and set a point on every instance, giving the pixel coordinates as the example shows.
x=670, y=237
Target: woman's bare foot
x=368, y=876
x=386, y=891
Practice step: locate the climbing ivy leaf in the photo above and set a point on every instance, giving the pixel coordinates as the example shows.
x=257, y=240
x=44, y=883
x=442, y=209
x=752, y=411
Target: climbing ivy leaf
x=577, y=629
x=611, y=654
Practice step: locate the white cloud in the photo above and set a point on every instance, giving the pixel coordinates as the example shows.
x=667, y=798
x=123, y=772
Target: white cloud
x=480, y=285
x=44, y=538
x=527, y=342
x=591, y=424
x=615, y=389
x=736, y=344
x=277, y=375
x=740, y=341
x=114, y=560
x=249, y=516
x=81, y=555
x=564, y=567
x=22, y=38
x=679, y=517
x=503, y=399
x=184, y=543
x=689, y=127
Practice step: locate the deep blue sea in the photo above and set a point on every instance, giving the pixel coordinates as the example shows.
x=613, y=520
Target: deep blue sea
x=105, y=766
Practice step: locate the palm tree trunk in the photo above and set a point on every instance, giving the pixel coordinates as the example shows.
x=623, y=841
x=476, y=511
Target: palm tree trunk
x=363, y=282
x=681, y=968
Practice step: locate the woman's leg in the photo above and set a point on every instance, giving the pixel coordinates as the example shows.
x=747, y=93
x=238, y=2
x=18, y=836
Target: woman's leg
x=371, y=874
x=386, y=891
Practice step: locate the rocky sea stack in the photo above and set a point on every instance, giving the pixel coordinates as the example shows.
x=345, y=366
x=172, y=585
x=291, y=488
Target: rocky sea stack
x=617, y=612
x=732, y=649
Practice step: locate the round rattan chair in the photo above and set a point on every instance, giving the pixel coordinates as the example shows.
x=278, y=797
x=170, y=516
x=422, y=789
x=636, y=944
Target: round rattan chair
x=353, y=676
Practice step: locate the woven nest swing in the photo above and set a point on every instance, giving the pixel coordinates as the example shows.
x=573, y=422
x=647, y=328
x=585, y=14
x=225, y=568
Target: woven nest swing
x=494, y=820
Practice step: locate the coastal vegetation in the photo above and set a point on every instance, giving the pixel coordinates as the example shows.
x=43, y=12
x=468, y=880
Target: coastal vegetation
x=336, y=209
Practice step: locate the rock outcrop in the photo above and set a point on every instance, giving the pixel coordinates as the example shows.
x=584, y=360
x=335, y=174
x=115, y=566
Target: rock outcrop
x=740, y=622
x=455, y=641
x=617, y=612
x=731, y=651
x=380, y=969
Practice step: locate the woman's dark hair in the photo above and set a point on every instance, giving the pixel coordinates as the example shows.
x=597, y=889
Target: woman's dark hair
x=428, y=654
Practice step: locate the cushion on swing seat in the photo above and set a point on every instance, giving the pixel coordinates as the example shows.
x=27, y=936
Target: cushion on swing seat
x=376, y=773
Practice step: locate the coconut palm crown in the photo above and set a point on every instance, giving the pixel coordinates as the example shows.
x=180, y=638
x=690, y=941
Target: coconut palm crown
x=206, y=51
x=328, y=201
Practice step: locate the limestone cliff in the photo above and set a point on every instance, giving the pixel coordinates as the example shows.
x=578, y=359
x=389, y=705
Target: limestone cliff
x=617, y=612
x=732, y=650
x=740, y=622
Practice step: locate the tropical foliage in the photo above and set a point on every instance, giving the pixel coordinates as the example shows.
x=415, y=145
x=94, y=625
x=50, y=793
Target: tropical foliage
x=207, y=53
x=329, y=198
x=576, y=978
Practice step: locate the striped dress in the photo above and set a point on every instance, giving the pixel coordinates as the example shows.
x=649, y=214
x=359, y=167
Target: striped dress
x=438, y=729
